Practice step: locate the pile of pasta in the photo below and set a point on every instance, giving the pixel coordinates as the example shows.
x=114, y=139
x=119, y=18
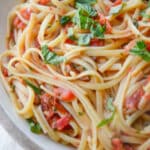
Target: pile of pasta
x=78, y=71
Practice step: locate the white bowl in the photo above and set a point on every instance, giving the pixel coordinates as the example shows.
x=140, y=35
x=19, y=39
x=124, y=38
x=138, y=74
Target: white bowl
x=41, y=141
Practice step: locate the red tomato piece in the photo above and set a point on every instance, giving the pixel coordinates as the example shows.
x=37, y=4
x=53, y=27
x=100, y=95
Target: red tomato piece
x=147, y=96
x=148, y=46
x=26, y=13
x=37, y=44
x=21, y=25
x=5, y=72
x=117, y=2
x=117, y=144
x=44, y=2
x=133, y=100
x=97, y=42
x=108, y=27
x=69, y=41
x=128, y=147
x=102, y=19
x=62, y=122
x=65, y=94
x=16, y=21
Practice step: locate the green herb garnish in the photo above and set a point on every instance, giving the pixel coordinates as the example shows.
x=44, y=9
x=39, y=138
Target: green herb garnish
x=140, y=50
x=91, y=2
x=83, y=22
x=84, y=39
x=109, y=104
x=87, y=23
x=34, y=127
x=36, y=89
x=51, y=57
x=111, y=108
x=86, y=9
x=143, y=14
x=106, y=121
x=71, y=34
x=64, y=20
x=98, y=30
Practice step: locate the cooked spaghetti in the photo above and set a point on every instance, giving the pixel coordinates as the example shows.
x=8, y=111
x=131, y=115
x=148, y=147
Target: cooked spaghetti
x=78, y=71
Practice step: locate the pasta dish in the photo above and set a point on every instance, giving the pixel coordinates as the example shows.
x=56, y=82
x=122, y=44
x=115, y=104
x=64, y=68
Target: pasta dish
x=78, y=71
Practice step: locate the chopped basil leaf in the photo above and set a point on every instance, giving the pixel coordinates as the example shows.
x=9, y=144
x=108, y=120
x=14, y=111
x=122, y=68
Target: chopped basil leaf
x=109, y=105
x=82, y=21
x=36, y=89
x=106, y=121
x=88, y=23
x=84, y=39
x=64, y=20
x=71, y=34
x=143, y=14
x=86, y=9
x=51, y=57
x=34, y=127
x=98, y=31
x=116, y=9
x=140, y=50
x=91, y=2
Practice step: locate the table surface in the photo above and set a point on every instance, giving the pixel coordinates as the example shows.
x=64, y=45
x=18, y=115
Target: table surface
x=6, y=141
x=10, y=136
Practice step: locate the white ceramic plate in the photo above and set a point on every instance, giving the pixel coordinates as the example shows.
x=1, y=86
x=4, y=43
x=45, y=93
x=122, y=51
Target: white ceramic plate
x=40, y=140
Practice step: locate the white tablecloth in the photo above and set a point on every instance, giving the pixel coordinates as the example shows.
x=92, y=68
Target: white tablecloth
x=6, y=141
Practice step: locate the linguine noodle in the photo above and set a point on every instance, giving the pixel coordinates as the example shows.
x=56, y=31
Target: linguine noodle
x=78, y=71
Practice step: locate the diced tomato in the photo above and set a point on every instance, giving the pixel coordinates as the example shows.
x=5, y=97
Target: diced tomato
x=18, y=23
x=102, y=19
x=26, y=13
x=148, y=148
x=147, y=96
x=5, y=72
x=117, y=144
x=69, y=41
x=44, y=2
x=21, y=25
x=148, y=78
x=45, y=101
x=130, y=45
x=51, y=109
x=128, y=147
x=65, y=94
x=108, y=27
x=37, y=44
x=148, y=46
x=117, y=2
x=133, y=100
x=62, y=122
x=97, y=42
